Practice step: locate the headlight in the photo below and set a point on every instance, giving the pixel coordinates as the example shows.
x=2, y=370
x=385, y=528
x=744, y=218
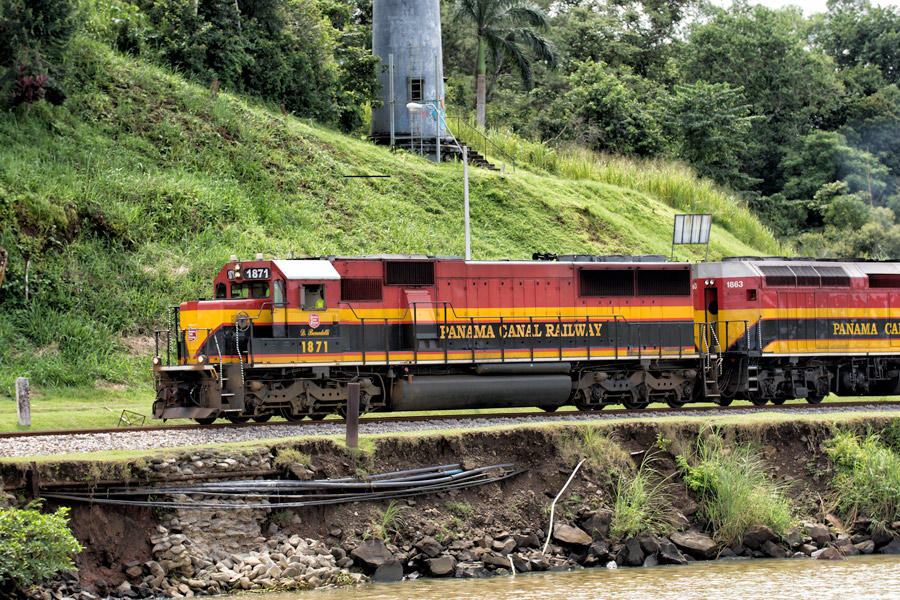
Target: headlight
x=201, y=359
x=156, y=360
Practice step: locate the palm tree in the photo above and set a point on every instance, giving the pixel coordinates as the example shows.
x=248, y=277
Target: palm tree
x=503, y=27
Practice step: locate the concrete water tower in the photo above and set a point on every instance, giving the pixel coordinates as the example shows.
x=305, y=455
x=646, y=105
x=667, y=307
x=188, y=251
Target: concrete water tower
x=406, y=36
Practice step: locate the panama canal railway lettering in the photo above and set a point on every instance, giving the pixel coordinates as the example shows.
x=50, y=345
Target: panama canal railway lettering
x=519, y=330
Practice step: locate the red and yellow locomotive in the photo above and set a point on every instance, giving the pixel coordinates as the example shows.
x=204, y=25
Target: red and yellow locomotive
x=427, y=333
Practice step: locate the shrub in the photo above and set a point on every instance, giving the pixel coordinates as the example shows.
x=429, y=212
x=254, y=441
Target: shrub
x=734, y=488
x=387, y=522
x=34, y=547
x=588, y=442
x=641, y=502
x=867, y=479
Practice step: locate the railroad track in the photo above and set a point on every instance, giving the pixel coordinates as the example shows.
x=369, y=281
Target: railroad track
x=558, y=415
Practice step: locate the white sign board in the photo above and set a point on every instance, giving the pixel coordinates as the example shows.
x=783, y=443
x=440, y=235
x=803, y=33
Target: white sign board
x=692, y=229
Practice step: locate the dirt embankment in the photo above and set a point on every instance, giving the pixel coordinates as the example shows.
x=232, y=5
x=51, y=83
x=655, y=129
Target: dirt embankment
x=138, y=551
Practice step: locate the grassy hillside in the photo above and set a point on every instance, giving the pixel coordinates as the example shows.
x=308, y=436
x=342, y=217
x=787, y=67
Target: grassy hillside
x=129, y=197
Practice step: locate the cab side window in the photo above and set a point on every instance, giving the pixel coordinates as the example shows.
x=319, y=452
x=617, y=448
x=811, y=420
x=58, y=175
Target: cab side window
x=278, y=297
x=313, y=296
x=221, y=291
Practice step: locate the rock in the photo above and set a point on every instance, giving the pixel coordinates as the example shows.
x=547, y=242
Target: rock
x=492, y=559
x=650, y=561
x=881, y=537
x=504, y=547
x=134, y=572
x=571, y=535
x=634, y=556
x=649, y=542
x=698, y=545
x=526, y=541
x=793, y=537
x=670, y=555
x=679, y=521
x=892, y=547
x=125, y=591
x=808, y=549
x=819, y=533
x=155, y=569
x=612, y=565
x=865, y=547
x=597, y=525
x=469, y=570
x=726, y=554
x=772, y=549
x=828, y=553
x=429, y=546
x=371, y=554
x=441, y=566
x=539, y=563
x=757, y=535
x=389, y=570
x=599, y=550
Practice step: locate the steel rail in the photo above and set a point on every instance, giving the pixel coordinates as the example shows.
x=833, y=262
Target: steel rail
x=558, y=415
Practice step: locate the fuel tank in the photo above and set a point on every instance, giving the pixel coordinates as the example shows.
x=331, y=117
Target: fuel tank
x=479, y=391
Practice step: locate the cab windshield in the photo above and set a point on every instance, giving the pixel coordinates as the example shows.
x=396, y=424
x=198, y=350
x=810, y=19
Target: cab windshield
x=253, y=289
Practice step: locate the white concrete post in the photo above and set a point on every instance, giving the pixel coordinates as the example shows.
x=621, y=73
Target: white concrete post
x=23, y=402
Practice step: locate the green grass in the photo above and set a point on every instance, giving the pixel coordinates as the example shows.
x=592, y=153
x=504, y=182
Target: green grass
x=734, y=487
x=867, y=478
x=641, y=503
x=130, y=197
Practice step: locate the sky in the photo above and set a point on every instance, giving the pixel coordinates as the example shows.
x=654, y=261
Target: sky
x=809, y=6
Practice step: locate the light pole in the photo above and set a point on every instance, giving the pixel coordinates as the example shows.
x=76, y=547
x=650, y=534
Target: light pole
x=416, y=106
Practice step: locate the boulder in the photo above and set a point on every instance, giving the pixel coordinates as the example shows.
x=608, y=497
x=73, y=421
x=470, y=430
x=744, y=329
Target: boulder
x=679, y=521
x=599, y=550
x=371, y=554
x=469, y=570
x=892, y=547
x=430, y=546
x=526, y=541
x=650, y=561
x=757, y=535
x=793, y=537
x=597, y=524
x=865, y=547
x=568, y=534
x=881, y=537
x=389, y=570
x=649, y=542
x=292, y=571
x=698, y=545
x=440, y=566
x=504, y=546
x=521, y=564
x=772, y=549
x=819, y=533
x=492, y=559
x=634, y=555
x=539, y=563
x=828, y=553
x=670, y=555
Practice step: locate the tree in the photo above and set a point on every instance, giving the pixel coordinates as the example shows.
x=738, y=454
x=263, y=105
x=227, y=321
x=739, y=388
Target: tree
x=708, y=124
x=854, y=32
x=791, y=86
x=502, y=28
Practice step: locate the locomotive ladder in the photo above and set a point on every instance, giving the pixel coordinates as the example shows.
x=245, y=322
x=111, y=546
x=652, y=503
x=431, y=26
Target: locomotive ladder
x=710, y=364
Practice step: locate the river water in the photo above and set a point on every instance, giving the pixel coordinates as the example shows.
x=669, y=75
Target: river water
x=869, y=578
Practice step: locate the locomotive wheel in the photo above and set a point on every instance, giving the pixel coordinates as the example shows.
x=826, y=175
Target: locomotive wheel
x=317, y=416
x=778, y=401
x=263, y=418
x=206, y=420
x=632, y=404
x=759, y=400
x=814, y=399
x=555, y=408
x=725, y=401
x=237, y=419
x=289, y=415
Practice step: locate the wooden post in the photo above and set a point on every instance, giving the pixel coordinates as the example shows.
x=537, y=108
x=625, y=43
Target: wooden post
x=23, y=402
x=353, y=415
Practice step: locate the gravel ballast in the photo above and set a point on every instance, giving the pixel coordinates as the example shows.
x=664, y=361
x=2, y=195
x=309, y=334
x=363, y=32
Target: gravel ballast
x=78, y=443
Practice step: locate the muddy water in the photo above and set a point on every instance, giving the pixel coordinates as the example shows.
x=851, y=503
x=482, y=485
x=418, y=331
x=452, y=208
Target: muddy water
x=869, y=578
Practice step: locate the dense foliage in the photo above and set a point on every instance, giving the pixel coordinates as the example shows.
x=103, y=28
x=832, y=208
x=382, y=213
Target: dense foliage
x=34, y=547
x=799, y=114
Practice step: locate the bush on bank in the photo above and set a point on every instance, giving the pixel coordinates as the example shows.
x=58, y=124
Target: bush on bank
x=867, y=478
x=734, y=488
x=34, y=547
